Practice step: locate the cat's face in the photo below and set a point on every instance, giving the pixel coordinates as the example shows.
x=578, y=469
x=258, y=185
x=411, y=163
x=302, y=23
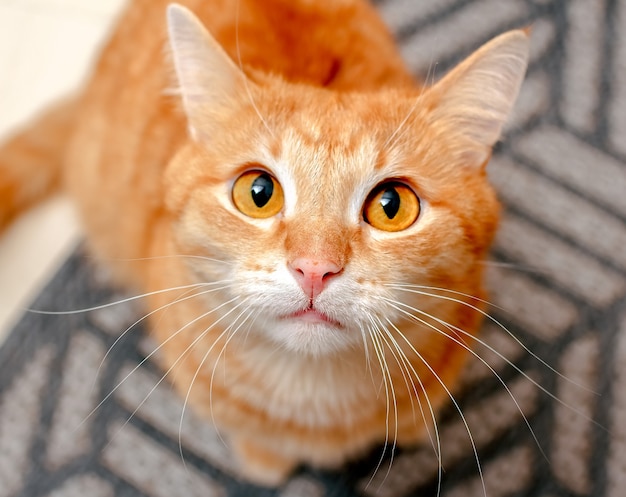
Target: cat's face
x=350, y=200
x=316, y=209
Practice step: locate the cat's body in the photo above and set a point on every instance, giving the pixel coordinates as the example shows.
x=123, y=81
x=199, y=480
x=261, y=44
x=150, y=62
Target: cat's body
x=301, y=347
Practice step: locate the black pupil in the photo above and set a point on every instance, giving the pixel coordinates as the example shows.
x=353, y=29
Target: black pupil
x=390, y=202
x=262, y=190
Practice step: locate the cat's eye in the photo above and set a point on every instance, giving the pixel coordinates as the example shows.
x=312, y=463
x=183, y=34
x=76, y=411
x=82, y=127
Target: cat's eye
x=258, y=194
x=391, y=206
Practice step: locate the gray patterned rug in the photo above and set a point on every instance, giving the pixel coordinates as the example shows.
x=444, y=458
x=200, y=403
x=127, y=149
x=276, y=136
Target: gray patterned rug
x=559, y=285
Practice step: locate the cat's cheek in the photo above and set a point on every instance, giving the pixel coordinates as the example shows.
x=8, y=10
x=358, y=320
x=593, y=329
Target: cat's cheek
x=209, y=225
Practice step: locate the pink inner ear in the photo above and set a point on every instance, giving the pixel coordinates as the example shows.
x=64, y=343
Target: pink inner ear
x=477, y=96
x=207, y=77
x=312, y=274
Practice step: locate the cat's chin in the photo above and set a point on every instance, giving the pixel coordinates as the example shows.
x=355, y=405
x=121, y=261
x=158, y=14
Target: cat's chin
x=312, y=333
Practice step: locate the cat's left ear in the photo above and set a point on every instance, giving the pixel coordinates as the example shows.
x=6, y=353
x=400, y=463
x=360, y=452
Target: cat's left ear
x=208, y=79
x=474, y=100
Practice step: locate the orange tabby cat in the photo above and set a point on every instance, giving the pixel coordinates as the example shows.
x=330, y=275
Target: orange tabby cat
x=317, y=220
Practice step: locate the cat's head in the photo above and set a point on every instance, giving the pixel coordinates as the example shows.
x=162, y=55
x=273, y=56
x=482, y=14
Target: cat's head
x=322, y=206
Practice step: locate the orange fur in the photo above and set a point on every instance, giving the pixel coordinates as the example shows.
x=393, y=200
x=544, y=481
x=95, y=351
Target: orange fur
x=331, y=114
x=30, y=162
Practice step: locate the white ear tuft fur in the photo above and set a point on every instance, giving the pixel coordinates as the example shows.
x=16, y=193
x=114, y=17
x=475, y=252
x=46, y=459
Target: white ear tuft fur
x=476, y=97
x=208, y=78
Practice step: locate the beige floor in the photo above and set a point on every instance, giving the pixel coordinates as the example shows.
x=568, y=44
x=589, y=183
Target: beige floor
x=46, y=47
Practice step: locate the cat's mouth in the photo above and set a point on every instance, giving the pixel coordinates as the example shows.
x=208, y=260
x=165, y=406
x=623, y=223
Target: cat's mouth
x=313, y=316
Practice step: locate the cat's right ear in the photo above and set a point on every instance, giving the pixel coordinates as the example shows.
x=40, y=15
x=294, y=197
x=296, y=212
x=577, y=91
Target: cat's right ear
x=475, y=99
x=208, y=79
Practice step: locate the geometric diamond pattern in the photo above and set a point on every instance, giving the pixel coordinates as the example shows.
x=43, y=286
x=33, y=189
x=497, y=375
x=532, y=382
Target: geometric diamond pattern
x=545, y=398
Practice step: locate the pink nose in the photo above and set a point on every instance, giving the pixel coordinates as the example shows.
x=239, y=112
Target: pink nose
x=312, y=275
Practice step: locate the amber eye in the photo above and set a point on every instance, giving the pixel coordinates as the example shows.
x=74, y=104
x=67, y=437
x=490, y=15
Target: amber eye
x=391, y=206
x=257, y=194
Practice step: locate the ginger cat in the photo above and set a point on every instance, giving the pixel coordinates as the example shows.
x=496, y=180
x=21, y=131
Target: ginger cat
x=304, y=217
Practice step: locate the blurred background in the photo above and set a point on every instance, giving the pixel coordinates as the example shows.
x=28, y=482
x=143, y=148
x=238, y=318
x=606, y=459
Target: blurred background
x=46, y=48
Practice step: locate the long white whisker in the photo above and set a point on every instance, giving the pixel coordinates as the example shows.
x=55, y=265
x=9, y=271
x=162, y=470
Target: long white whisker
x=232, y=334
x=509, y=265
x=117, y=302
x=368, y=358
x=380, y=329
x=249, y=327
x=172, y=256
x=388, y=384
x=456, y=406
x=412, y=289
x=162, y=379
x=437, y=446
x=401, y=360
x=493, y=350
x=408, y=367
x=165, y=306
x=473, y=353
x=226, y=331
x=400, y=130
x=145, y=359
x=400, y=127
x=232, y=331
x=245, y=79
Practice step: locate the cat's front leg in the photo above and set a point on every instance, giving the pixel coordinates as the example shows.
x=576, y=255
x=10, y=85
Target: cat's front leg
x=261, y=465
